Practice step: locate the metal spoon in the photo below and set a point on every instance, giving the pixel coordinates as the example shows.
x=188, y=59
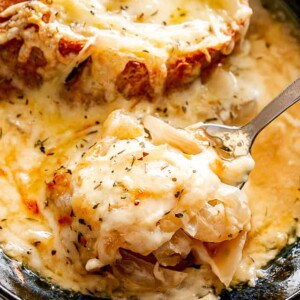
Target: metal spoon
x=232, y=142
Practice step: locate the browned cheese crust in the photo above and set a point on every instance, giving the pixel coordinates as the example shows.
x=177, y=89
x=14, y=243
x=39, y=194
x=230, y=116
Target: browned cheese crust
x=26, y=65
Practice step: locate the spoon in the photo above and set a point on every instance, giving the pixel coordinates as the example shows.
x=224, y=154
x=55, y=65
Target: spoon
x=233, y=141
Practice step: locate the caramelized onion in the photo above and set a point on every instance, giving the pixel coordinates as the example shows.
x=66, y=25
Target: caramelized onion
x=162, y=132
x=137, y=274
x=175, y=250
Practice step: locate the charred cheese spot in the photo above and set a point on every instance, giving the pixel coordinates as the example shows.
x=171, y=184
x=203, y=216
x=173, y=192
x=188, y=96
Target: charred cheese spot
x=67, y=47
x=46, y=17
x=60, y=184
x=65, y=220
x=134, y=81
x=32, y=206
x=186, y=69
x=7, y=3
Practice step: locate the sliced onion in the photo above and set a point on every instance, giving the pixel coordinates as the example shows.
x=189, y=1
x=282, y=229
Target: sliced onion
x=137, y=274
x=163, y=133
x=168, y=278
x=175, y=250
x=225, y=257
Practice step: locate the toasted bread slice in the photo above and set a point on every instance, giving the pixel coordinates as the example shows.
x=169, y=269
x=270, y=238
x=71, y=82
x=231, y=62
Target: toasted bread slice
x=99, y=49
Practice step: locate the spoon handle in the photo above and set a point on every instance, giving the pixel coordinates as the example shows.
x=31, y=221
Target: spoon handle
x=286, y=99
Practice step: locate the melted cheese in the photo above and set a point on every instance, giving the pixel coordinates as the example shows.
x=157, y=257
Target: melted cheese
x=136, y=185
x=30, y=129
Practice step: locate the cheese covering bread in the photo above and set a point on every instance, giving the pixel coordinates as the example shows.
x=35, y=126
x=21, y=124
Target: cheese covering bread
x=98, y=50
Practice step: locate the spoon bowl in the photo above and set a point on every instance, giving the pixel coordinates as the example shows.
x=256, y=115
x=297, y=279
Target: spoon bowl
x=231, y=141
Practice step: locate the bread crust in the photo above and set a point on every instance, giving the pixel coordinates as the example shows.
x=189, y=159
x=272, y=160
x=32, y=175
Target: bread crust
x=7, y=3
